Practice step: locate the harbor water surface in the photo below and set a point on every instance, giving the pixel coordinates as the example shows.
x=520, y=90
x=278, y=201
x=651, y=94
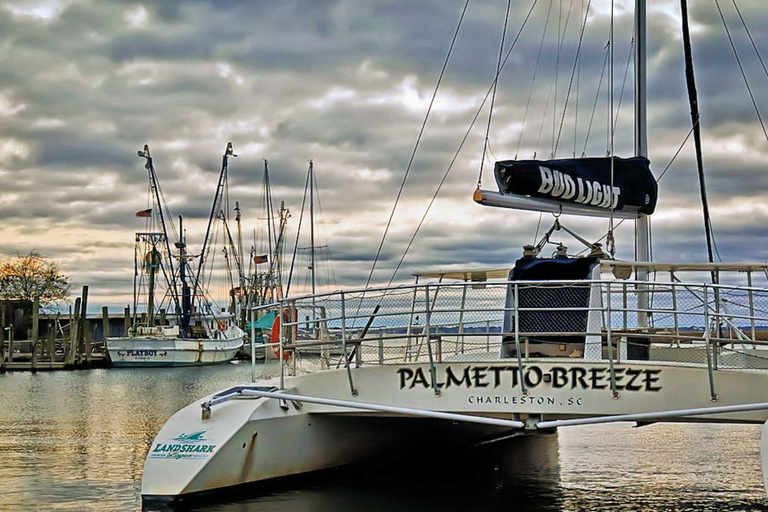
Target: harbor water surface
x=77, y=441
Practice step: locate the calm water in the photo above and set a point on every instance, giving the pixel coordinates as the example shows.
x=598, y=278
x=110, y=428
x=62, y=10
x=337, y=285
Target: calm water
x=77, y=441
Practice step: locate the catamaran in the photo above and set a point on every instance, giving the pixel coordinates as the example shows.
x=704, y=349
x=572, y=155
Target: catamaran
x=185, y=337
x=472, y=355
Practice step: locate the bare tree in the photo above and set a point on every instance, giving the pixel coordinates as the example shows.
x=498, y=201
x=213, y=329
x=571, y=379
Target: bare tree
x=23, y=277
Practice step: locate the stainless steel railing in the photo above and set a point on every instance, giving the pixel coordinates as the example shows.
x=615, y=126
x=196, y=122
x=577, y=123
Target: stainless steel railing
x=421, y=323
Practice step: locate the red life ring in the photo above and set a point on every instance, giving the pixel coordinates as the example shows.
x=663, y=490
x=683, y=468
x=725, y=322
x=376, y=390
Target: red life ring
x=275, y=336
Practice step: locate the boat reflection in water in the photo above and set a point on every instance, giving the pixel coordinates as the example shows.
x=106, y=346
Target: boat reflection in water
x=79, y=442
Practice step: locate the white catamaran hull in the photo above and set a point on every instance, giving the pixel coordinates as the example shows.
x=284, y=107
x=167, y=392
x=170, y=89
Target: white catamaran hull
x=247, y=439
x=153, y=351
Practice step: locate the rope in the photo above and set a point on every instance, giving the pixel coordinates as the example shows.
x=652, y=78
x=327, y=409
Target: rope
x=493, y=97
x=624, y=83
x=461, y=145
x=597, y=97
x=573, y=73
x=533, y=80
x=749, y=34
x=416, y=146
x=298, y=233
x=741, y=68
x=578, y=85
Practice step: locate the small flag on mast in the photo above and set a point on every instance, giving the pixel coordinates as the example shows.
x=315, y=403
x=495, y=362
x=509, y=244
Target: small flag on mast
x=260, y=259
x=144, y=213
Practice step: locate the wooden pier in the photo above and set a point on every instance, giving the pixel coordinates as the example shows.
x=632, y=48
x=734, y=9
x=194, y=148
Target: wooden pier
x=66, y=344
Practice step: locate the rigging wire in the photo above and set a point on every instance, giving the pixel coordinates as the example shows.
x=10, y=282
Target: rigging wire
x=741, y=68
x=493, y=96
x=416, y=146
x=533, y=79
x=570, y=83
x=751, y=40
x=298, y=233
x=461, y=144
x=624, y=83
x=331, y=273
x=597, y=97
x=561, y=37
x=578, y=84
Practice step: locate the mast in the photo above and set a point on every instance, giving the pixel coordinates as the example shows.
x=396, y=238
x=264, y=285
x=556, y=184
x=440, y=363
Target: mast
x=215, y=208
x=312, y=236
x=161, y=217
x=312, y=227
x=693, y=100
x=239, y=238
x=642, y=224
x=186, y=299
x=270, y=285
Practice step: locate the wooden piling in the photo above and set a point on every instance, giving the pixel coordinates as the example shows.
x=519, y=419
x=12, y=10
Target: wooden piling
x=2, y=340
x=127, y=319
x=35, y=334
x=83, y=325
x=162, y=317
x=52, y=345
x=74, y=334
x=105, y=325
x=10, y=343
x=35, y=320
x=87, y=345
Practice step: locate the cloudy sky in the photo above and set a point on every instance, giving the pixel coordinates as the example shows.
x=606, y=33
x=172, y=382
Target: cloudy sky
x=85, y=84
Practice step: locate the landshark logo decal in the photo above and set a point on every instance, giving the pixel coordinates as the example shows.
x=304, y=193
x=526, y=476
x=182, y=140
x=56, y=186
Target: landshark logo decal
x=184, y=446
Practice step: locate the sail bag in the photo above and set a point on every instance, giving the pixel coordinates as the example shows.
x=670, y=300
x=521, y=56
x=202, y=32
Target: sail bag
x=582, y=181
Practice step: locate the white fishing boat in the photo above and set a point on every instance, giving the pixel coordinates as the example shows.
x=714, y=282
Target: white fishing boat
x=194, y=332
x=481, y=355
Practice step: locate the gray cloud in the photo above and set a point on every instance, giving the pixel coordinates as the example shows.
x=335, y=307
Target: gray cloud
x=347, y=84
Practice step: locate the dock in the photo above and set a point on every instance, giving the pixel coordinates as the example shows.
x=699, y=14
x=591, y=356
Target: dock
x=56, y=341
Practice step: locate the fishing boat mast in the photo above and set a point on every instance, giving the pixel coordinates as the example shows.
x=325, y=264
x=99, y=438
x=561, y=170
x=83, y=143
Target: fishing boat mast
x=312, y=235
x=215, y=208
x=158, y=206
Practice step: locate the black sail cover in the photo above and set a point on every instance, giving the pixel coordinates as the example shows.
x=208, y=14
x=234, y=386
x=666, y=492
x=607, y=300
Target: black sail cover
x=582, y=181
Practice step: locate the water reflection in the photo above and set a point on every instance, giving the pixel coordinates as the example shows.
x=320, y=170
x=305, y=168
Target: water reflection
x=77, y=441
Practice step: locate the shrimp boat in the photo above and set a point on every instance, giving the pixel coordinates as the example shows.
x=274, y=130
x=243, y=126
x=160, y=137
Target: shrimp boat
x=478, y=355
x=187, y=336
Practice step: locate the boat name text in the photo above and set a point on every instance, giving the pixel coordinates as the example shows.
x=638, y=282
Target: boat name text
x=557, y=377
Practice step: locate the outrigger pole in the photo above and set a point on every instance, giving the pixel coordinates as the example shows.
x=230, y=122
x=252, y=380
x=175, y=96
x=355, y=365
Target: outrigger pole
x=214, y=211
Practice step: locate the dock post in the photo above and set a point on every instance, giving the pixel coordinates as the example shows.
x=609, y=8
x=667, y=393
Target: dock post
x=87, y=344
x=52, y=345
x=74, y=334
x=35, y=319
x=2, y=340
x=105, y=324
x=33, y=368
x=10, y=343
x=127, y=319
x=35, y=330
x=83, y=325
x=162, y=317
